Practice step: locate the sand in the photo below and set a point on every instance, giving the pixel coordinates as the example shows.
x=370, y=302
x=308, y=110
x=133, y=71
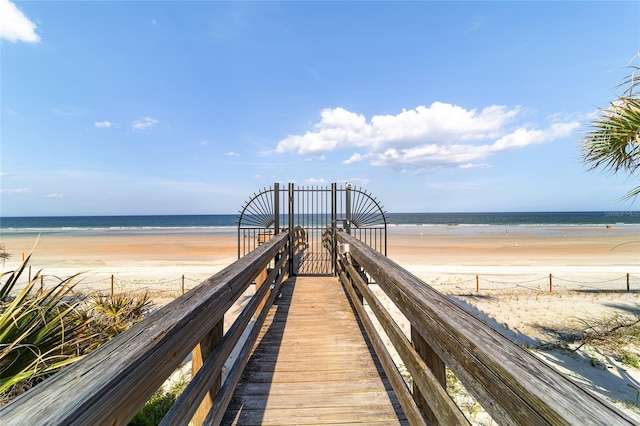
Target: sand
x=500, y=275
x=156, y=262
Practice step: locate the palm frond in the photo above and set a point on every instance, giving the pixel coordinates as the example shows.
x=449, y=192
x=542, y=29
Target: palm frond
x=613, y=142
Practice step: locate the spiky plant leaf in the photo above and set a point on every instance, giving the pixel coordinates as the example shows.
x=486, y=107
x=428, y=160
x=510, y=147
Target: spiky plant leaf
x=38, y=331
x=613, y=142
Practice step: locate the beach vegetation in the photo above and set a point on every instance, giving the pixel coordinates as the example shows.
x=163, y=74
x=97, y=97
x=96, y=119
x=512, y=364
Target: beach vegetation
x=43, y=330
x=611, y=332
x=469, y=406
x=158, y=406
x=404, y=372
x=613, y=141
x=40, y=332
x=616, y=334
x=454, y=387
x=109, y=315
x=629, y=358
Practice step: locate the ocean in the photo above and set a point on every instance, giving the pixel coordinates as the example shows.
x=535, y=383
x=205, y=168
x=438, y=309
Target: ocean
x=99, y=225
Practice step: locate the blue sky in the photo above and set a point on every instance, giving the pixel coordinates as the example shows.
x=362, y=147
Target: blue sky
x=190, y=107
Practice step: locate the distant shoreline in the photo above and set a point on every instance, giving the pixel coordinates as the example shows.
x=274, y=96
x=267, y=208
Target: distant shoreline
x=434, y=246
x=227, y=224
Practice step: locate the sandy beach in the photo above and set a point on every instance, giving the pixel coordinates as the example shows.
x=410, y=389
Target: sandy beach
x=155, y=262
x=510, y=268
x=435, y=254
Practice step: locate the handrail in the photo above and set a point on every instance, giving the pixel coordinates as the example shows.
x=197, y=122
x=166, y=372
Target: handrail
x=513, y=386
x=110, y=385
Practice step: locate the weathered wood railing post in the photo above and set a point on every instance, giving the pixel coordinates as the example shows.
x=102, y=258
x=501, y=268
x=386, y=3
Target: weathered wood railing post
x=435, y=364
x=262, y=276
x=198, y=357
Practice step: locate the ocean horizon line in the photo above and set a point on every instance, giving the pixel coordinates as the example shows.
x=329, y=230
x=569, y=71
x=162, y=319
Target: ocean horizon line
x=226, y=222
x=628, y=212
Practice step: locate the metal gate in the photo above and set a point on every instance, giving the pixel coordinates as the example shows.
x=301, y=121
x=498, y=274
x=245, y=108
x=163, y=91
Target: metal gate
x=315, y=209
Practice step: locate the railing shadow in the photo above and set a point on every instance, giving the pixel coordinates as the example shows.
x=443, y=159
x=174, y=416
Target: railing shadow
x=508, y=381
x=606, y=291
x=393, y=398
x=249, y=401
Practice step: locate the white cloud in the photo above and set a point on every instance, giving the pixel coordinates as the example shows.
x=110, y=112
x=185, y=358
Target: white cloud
x=475, y=166
x=144, y=123
x=231, y=154
x=338, y=128
x=103, y=124
x=523, y=137
x=66, y=111
x=15, y=26
x=359, y=181
x=316, y=181
x=355, y=158
x=54, y=195
x=474, y=25
x=425, y=137
x=14, y=191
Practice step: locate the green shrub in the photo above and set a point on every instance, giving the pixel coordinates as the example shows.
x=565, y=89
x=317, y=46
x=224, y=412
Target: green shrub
x=109, y=315
x=629, y=358
x=157, y=407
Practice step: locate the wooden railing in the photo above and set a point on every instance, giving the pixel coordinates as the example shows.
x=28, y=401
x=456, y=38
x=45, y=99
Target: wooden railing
x=512, y=385
x=110, y=385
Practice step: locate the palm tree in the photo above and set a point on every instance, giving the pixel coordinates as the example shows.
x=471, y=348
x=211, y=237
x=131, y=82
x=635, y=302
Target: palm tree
x=613, y=142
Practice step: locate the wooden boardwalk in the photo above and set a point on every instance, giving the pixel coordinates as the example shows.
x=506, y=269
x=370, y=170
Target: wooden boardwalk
x=312, y=365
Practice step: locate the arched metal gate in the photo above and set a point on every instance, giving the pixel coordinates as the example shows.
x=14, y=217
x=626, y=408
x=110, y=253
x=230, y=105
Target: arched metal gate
x=315, y=209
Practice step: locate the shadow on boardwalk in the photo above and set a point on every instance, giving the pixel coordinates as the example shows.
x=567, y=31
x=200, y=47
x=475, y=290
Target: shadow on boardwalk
x=312, y=364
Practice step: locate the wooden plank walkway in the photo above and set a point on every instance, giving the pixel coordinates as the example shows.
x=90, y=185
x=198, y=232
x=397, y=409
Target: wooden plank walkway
x=312, y=365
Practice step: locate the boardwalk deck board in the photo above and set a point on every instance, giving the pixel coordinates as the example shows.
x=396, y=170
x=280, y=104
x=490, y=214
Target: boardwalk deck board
x=312, y=365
